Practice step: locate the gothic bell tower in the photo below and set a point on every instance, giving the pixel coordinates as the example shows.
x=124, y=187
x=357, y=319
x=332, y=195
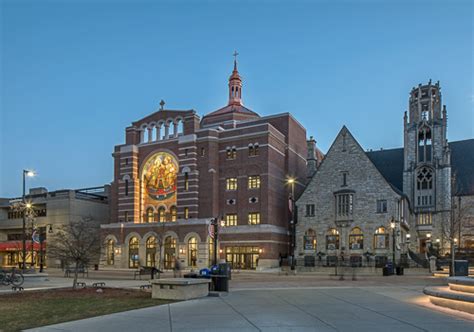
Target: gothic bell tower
x=427, y=162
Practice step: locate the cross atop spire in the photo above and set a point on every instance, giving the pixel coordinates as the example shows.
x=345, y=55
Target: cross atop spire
x=235, y=85
x=235, y=59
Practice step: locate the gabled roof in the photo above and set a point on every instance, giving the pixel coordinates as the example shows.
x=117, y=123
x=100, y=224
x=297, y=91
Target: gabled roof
x=390, y=164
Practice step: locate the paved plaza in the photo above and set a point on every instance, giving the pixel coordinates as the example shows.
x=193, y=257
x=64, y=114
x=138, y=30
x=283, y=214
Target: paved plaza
x=374, y=304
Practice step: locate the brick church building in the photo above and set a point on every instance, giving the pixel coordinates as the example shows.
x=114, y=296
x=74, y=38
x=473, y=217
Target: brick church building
x=176, y=171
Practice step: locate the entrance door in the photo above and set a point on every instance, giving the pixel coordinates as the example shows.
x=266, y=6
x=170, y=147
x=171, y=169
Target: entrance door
x=422, y=246
x=245, y=258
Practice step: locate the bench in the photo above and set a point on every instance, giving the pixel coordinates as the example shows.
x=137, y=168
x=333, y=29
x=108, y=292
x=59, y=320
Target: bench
x=71, y=270
x=146, y=270
x=17, y=289
x=81, y=284
x=98, y=284
x=179, y=288
x=147, y=286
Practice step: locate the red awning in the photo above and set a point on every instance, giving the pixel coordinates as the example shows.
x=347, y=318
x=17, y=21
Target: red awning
x=18, y=246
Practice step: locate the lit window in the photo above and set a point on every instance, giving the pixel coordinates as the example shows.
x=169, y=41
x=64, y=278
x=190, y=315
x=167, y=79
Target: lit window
x=253, y=150
x=344, y=205
x=423, y=219
x=381, y=238
x=186, y=181
x=381, y=206
x=161, y=214
x=254, y=182
x=254, y=218
x=150, y=214
x=309, y=240
x=110, y=252
x=150, y=251
x=231, y=219
x=332, y=239
x=356, y=239
x=231, y=153
x=203, y=152
x=174, y=213
x=186, y=213
x=231, y=184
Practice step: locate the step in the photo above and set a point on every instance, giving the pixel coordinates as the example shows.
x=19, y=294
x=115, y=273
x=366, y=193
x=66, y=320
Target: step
x=445, y=297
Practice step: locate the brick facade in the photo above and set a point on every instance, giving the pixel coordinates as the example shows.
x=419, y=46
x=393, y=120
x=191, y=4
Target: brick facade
x=230, y=143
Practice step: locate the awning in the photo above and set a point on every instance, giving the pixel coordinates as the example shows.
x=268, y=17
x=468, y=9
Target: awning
x=18, y=246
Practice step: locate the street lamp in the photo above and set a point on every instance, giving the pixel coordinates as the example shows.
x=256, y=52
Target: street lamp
x=26, y=173
x=392, y=226
x=291, y=181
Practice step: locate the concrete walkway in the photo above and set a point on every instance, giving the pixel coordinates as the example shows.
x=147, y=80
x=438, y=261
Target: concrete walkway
x=298, y=309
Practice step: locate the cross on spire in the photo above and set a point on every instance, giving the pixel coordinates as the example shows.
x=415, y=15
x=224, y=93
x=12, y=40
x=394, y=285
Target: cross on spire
x=235, y=59
x=162, y=104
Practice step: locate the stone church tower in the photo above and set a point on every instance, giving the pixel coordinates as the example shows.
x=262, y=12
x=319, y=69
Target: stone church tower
x=427, y=163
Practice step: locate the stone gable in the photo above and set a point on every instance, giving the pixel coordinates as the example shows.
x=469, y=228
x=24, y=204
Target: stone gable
x=363, y=181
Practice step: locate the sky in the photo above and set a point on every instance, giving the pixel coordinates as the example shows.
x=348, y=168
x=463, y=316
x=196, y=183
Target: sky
x=74, y=74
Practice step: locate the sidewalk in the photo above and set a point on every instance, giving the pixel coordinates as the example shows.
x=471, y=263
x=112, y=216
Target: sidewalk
x=312, y=309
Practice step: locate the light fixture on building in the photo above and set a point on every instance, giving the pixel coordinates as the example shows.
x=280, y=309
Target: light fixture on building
x=455, y=240
x=50, y=228
x=220, y=251
x=428, y=235
x=181, y=250
x=438, y=240
x=260, y=250
x=118, y=251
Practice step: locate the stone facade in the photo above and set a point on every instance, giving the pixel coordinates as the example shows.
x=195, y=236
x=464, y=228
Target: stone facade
x=347, y=172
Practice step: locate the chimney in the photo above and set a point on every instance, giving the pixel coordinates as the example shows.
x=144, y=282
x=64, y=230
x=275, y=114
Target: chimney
x=312, y=162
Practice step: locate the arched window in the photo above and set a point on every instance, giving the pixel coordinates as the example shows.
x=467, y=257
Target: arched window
x=356, y=239
x=424, y=186
x=174, y=213
x=170, y=252
x=161, y=214
x=332, y=239
x=192, y=252
x=424, y=144
x=110, y=252
x=133, y=260
x=310, y=241
x=150, y=215
x=381, y=238
x=150, y=251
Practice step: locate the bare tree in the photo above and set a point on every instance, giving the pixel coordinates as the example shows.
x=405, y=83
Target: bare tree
x=458, y=221
x=77, y=243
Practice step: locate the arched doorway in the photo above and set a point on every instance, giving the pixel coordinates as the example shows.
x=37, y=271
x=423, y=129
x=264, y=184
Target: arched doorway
x=133, y=259
x=192, y=252
x=170, y=252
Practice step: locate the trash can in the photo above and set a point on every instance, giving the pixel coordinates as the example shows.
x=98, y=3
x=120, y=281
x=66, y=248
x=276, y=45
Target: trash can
x=221, y=283
x=461, y=268
x=399, y=270
x=224, y=269
x=385, y=271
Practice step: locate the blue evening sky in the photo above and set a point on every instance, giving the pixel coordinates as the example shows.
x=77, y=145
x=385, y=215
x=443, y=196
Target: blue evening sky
x=74, y=74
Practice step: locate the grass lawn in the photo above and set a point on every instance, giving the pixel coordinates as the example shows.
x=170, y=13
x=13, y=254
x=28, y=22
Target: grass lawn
x=38, y=308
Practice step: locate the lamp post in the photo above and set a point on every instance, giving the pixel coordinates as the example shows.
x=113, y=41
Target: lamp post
x=215, y=232
x=291, y=182
x=26, y=173
x=392, y=226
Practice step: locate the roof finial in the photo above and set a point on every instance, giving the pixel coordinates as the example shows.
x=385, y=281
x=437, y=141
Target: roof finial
x=162, y=104
x=235, y=59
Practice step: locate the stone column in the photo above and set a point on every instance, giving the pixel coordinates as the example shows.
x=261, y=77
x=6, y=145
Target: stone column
x=150, y=134
x=175, y=129
x=167, y=131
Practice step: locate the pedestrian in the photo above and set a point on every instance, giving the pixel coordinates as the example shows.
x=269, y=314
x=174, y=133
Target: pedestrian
x=177, y=268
